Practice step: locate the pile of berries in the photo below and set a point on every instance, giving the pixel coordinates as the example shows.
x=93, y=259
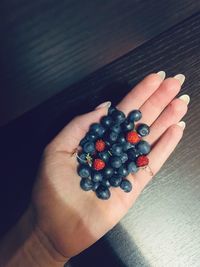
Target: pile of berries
x=111, y=150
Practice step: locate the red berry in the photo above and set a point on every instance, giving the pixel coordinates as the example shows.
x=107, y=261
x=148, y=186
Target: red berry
x=142, y=161
x=132, y=137
x=100, y=145
x=98, y=164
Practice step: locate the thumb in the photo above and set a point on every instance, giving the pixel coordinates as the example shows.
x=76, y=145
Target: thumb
x=69, y=137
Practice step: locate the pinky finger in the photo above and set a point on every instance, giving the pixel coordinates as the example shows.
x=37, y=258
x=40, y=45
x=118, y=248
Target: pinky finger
x=159, y=154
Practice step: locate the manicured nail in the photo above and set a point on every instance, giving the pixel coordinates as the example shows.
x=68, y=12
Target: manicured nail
x=182, y=124
x=162, y=74
x=104, y=105
x=185, y=98
x=180, y=77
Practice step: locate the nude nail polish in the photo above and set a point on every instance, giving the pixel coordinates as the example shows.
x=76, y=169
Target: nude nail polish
x=185, y=98
x=104, y=104
x=180, y=77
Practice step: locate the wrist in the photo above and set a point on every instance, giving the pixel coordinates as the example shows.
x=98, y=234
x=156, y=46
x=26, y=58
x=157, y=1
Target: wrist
x=27, y=245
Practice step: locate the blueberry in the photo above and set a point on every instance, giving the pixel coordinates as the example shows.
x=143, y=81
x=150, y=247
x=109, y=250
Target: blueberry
x=84, y=171
x=127, y=126
x=134, y=115
x=111, y=110
x=95, y=185
x=112, y=137
x=106, y=121
x=131, y=166
x=143, y=147
x=83, y=141
x=104, y=155
x=86, y=184
x=105, y=183
x=143, y=129
x=115, y=181
x=115, y=128
x=115, y=162
x=108, y=172
x=97, y=176
x=121, y=139
x=82, y=158
x=98, y=129
x=132, y=153
x=116, y=149
x=118, y=116
x=126, y=185
x=122, y=171
x=89, y=147
x=103, y=192
x=127, y=146
x=124, y=157
x=91, y=136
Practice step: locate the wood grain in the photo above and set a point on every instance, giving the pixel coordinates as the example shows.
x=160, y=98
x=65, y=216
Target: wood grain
x=47, y=45
x=162, y=229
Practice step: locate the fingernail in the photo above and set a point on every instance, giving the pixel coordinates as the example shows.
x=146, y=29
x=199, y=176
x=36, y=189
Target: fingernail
x=185, y=98
x=162, y=74
x=180, y=77
x=104, y=104
x=182, y=124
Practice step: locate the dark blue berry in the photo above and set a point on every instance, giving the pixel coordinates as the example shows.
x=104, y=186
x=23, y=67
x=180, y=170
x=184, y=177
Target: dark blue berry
x=86, y=184
x=124, y=157
x=121, y=139
x=143, y=129
x=82, y=158
x=89, y=147
x=127, y=125
x=84, y=171
x=108, y=172
x=104, y=155
x=95, y=185
x=143, y=147
x=134, y=115
x=126, y=185
x=98, y=129
x=83, y=141
x=106, y=121
x=115, y=128
x=112, y=137
x=118, y=116
x=91, y=136
x=122, y=171
x=115, y=162
x=103, y=192
x=115, y=181
x=105, y=183
x=116, y=149
x=131, y=167
x=132, y=153
x=126, y=146
x=111, y=110
x=97, y=176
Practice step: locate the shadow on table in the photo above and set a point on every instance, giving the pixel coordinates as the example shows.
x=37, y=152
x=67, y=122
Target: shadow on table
x=115, y=249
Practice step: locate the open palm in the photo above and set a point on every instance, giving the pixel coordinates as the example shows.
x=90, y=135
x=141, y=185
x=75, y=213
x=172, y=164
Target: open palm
x=73, y=219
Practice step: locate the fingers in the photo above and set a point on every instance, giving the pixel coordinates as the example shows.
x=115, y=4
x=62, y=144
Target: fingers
x=152, y=108
x=141, y=92
x=159, y=154
x=173, y=113
x=69, y=137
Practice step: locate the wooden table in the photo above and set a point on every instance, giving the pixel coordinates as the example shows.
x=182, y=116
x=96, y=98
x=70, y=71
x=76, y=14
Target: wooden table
x=162, y=229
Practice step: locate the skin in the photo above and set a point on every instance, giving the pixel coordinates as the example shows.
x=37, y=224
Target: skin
x=64, y=219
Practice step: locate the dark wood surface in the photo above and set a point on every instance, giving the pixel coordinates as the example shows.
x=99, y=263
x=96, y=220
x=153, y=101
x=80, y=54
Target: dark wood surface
x=162, y=229
x=47, y=45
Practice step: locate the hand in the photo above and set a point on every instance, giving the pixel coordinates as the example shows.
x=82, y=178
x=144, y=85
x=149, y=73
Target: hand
x=72, y=219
